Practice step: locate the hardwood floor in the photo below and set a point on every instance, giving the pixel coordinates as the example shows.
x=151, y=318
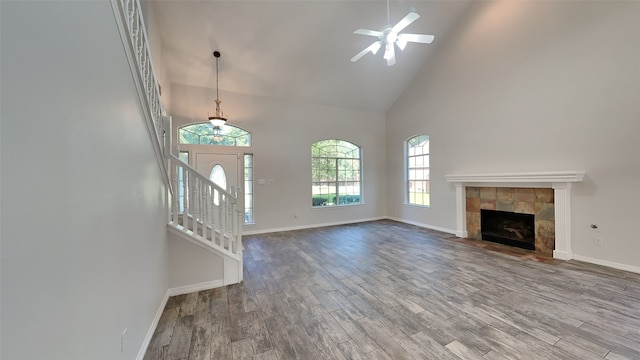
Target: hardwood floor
x=386, y=290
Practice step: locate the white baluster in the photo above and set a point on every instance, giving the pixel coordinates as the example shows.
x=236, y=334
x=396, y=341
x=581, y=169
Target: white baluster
x=130, y=15
x=175, y=201
x=203, y=207
x=214, y=212
x=206, y=232
x=220, y=215
x=196, y=204
x=191, y=191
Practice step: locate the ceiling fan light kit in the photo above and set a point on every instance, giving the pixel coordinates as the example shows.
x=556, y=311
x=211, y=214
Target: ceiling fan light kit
x=218, y=119
x=390, y=36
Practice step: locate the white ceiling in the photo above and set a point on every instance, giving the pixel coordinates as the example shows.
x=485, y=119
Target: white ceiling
x=298, y=50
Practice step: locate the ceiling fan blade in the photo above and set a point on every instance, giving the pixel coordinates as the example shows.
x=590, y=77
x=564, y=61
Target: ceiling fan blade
x=411, y=17
x=390, y=54
x=368, y=32
x=425, y=39
x=373, y=48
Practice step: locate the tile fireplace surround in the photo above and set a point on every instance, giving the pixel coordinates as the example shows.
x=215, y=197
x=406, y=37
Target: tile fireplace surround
x=559, y=181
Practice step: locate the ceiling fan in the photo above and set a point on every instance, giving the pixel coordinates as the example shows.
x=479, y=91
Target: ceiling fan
x=389, y=36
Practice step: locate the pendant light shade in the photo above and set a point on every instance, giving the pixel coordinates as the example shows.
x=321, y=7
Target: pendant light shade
x=218, y=119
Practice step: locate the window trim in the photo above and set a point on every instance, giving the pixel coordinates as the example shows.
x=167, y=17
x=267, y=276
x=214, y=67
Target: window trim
x=407, y=195
x=251, y=180
x=337, y=181
x=248, y=135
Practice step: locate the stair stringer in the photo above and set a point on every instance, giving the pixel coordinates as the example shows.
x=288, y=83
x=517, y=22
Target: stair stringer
x=232, y=263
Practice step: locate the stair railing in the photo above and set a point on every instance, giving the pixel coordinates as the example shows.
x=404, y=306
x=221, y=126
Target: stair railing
x=198, y=206
x=203, y=209
x=128, y=15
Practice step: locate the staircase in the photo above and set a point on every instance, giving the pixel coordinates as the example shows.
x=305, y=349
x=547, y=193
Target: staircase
x=199, y=211
x=206, y=214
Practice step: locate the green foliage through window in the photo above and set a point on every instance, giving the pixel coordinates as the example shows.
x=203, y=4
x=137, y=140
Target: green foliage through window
x=336, y=173
x=248, y=189
x=417, y=150
x=207, y=134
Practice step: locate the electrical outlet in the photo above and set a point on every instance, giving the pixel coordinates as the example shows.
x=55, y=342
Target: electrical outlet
x=598, y=240
x=123, y=340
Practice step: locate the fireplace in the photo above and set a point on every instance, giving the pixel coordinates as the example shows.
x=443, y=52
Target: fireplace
x=508, y=228
x=552, y=224
x=512, y=205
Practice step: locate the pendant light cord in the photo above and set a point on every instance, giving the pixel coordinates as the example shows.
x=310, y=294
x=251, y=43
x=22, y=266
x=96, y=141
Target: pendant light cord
x=388, y=21
x=217, y=87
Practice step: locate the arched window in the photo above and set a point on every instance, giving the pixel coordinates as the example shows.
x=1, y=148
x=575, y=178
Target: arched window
x=417, y=170
x=336, y=173
x=219, y=177
x=207, y=134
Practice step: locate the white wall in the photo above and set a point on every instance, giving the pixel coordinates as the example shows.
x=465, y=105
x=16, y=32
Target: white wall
x=190, y=264
x=534, y=86
x=84, y=251
x=282, y=134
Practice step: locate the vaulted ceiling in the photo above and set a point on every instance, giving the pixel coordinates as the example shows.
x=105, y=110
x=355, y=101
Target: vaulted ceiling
x=298, y=50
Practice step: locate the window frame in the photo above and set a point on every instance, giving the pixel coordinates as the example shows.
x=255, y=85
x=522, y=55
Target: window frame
x=249, y=191
x=338, y=172
x=407, y=171
x=227, y=132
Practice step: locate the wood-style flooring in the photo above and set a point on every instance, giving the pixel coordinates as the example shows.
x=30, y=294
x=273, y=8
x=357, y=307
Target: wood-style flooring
x=387, y=290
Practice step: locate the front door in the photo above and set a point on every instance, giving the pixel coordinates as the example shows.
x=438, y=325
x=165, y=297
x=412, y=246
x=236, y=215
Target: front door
x=222, y=169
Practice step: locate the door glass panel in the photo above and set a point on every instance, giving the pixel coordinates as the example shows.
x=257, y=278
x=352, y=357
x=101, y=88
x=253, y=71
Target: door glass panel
x=219, y=177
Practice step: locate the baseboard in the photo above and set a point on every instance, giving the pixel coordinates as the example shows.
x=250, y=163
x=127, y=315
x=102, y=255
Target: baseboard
x=173, y=292
x=152, y=328
x=310, y=226
x=562, y=255
x=422, y=225
x=195, y=287
x=611, y=264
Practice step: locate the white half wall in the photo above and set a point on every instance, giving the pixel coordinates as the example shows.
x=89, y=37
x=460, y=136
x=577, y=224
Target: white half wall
x=190, y=265
x=526, y=86
x=282, y=134
x=84, y=244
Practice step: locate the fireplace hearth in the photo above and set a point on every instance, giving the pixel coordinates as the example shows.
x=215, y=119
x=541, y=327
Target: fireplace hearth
x=509, y=228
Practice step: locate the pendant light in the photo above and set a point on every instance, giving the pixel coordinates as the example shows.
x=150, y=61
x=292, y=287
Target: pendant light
x=218, y=119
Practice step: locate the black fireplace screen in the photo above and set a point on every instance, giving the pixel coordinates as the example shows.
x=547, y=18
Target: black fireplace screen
x=508, y=228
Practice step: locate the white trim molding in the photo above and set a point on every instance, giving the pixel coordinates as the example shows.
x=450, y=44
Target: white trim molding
x=152, y=328
x=560, y=181
x=180, y=290
x=310, y=226
x=423, y=225
x=533, y=177
x=607, y=263
x=163, y=304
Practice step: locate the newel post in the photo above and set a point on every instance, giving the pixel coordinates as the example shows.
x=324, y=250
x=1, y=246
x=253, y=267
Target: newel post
x=461, y=210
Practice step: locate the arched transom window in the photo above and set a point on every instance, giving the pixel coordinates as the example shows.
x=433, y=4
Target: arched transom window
x=207, y=134
x=336, y=173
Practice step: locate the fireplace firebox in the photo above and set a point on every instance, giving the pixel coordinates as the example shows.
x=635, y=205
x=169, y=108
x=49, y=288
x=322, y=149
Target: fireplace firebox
x=508, y=228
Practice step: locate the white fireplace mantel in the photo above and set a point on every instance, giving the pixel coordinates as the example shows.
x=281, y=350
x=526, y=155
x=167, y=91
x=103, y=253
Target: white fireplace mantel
x=560, y=181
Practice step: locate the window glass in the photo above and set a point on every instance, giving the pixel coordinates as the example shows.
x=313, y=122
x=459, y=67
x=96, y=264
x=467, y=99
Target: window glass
x=417, y=170
x=219, y=177
x=336, y=168
x=248, y=189
x=207, y=134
